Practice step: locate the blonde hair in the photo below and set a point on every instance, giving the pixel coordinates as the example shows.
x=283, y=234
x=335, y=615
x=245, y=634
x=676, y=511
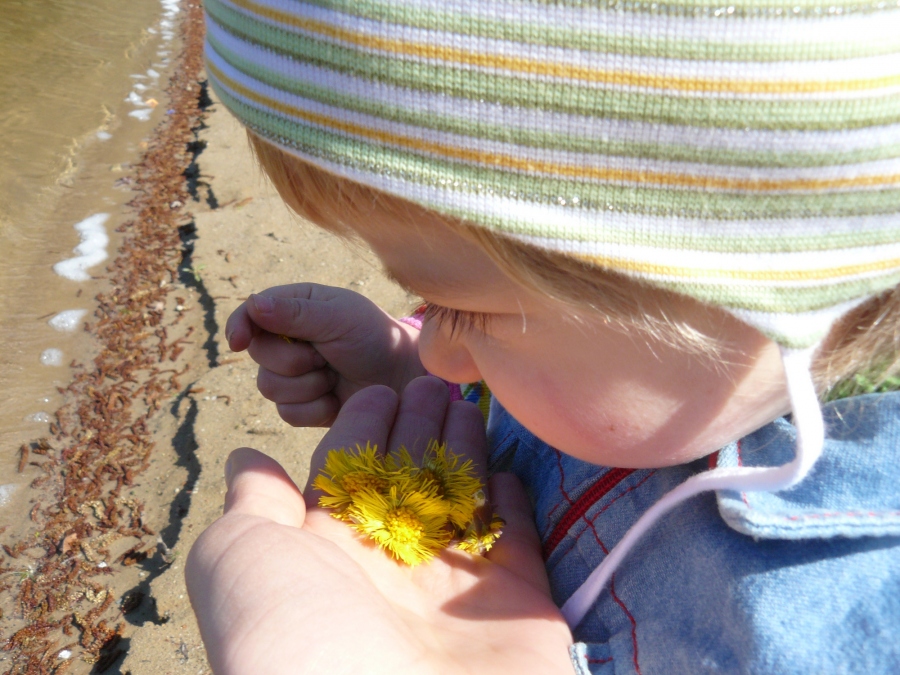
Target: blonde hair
x=861, y=354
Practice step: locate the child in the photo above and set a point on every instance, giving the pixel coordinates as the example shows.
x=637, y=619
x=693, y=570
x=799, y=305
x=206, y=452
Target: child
x=651, y=231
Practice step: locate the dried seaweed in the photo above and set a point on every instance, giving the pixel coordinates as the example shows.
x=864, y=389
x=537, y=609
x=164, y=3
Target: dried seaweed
x=100, y=439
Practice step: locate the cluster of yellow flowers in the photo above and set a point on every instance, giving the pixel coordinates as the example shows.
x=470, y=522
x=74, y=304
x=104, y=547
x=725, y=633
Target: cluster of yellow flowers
x=411, y=511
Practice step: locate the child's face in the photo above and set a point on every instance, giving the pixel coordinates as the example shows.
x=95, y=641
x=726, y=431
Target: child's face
x=585, y=388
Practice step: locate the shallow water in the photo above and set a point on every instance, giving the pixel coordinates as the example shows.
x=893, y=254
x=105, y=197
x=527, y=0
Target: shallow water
x=78, y=87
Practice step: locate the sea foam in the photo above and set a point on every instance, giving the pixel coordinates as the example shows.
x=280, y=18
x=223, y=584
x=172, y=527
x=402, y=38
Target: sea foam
x=143, y=114
x=91, y=251
x=68, y=320
x=52, y=357
x=6, y=493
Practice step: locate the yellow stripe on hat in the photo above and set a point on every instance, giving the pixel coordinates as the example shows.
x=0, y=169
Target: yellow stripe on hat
x=530, y=166
x=787, y=276
x=532, y=67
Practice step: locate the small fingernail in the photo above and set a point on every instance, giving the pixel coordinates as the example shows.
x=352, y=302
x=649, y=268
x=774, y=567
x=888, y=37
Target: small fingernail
x=263, y=304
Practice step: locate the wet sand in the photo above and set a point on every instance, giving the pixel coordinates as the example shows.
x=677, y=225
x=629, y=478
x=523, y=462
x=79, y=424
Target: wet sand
x=132, y=471
x=77, y=95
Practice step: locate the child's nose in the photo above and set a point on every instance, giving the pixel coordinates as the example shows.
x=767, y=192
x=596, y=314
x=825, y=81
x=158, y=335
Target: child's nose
x=446, y=356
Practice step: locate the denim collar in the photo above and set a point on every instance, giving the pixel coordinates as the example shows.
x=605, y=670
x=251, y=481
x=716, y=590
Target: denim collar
x=852, y=491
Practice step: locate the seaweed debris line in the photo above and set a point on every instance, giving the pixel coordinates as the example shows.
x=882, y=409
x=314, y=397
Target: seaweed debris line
x=88, y=528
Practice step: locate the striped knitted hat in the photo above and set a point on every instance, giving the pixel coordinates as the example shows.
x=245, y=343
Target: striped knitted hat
x=745, y=154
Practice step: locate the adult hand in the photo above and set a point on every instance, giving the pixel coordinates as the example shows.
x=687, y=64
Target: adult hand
x=279, y=586
x=341, y=342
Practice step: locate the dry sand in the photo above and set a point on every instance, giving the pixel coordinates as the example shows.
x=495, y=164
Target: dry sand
x=248, y=243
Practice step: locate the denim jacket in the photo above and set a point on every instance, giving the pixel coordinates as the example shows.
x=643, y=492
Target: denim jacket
x=801, y=581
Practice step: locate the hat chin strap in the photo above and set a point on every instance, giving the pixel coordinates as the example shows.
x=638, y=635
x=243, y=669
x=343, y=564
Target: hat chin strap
x=810, y=438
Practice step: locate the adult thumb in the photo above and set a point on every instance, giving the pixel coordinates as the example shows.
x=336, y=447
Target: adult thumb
x=519, y=547
x=259, y=486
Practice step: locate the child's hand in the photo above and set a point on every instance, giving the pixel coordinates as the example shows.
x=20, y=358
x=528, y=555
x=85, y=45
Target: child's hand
x=279, y=586
x=340, y=343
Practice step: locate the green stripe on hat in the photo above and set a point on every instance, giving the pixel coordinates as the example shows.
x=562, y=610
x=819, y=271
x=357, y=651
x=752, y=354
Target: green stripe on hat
x=810, y=156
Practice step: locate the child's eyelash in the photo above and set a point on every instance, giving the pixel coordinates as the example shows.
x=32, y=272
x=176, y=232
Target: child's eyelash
x=460, y=320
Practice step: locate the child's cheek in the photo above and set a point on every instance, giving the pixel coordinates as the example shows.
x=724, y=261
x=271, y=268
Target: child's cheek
x=607, y=430
x=446, y=357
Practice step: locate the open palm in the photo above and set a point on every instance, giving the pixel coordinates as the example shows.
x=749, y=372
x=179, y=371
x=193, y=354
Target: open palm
x=279, y=586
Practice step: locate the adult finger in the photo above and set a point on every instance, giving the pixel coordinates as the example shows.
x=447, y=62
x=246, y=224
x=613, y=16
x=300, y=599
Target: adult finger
x=465, y=435
x=259, y=486
x=420, y=418
x=366, y=417
x=284, y=356
x=519, y=547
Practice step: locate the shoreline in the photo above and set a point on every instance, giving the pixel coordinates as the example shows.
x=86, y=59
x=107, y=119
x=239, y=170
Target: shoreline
x=62, y=613
x=74, y=141
x=121, y=500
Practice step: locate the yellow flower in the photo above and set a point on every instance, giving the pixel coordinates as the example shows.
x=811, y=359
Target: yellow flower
x=346, y=473
x=454, y=481
x=411, y=525
x=411, y=511
x=483, y=529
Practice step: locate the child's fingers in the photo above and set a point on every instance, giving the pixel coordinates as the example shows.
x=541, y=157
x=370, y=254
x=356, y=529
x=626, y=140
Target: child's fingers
x=239, y=329
x=259, y=486
x=277, y=310
x=366, y=417
x=285, y=357
x=464, y=434
x=302, y=389
x=519, y=547
x=319, y=413
x=307, y=317
x=420, y=418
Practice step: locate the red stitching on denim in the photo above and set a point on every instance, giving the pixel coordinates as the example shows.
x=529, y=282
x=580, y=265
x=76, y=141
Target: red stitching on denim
x=623, y=493
x=612, y=591
x=606, y=660
x=605, y=550
x=578, y=510
x=827, y=514
x=596, y=536
x=562, y=488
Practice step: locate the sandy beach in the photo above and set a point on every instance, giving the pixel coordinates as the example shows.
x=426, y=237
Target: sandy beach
x=131, y=471
x=248, y=243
